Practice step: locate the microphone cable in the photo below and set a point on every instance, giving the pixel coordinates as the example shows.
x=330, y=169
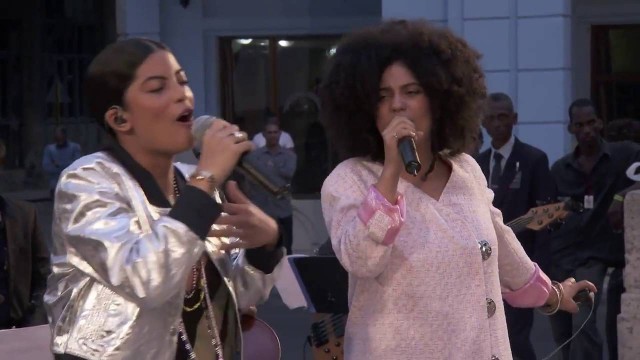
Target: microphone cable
x=593, y=305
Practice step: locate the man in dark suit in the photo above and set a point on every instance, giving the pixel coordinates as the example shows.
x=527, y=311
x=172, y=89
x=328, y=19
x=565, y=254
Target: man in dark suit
x=519, y=176
x=24, y=264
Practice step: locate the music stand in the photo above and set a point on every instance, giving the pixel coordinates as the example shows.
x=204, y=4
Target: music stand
x=324, y=283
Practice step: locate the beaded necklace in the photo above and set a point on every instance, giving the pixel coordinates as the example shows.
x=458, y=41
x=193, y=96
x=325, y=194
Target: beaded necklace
x=212, y=327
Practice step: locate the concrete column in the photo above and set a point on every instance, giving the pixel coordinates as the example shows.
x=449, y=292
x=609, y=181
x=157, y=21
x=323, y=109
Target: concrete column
x=181, y=29
x=138, y=18
x=526, y=54
x=544, y=74
x=432, y=10
x=629, y=317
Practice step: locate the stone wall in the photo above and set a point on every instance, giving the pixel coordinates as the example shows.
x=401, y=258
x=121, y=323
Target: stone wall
x=629, y=318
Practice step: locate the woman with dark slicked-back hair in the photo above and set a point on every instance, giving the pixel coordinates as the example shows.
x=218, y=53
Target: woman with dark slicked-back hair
x=141, y=258
x=428, y=256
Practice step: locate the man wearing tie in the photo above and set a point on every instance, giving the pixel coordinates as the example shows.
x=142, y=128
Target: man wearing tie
x=519, y=176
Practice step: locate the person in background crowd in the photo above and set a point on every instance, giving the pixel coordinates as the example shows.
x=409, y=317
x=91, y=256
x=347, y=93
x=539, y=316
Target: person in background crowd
x=259, y=139
x=58, y=156
x=624, y=129
x=278, y=164
x=24, y=263
x=518, y=174
x=591, y=241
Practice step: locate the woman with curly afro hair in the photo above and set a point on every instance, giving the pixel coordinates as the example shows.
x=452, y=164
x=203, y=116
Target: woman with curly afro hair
x=428, y=256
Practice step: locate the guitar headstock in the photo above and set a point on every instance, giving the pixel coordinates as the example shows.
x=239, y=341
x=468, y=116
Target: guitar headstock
x=542, y=216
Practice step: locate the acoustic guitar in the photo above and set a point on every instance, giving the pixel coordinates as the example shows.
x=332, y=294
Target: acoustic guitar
x=259, y=340
x=327, y=330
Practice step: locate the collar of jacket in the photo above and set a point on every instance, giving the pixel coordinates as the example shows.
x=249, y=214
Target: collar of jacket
x=144, y=178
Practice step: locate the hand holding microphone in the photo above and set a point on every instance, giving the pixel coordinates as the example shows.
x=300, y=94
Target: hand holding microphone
x=203, y=125
x=399, y=155
x=399, y=145
x=576, y=292
x=220, y=145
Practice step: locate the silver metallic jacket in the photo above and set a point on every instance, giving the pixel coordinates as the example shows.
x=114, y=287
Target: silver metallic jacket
x=119, y=267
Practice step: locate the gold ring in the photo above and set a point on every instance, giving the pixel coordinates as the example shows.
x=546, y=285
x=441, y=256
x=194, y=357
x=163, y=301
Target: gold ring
x=395, y=135
x=239, y=135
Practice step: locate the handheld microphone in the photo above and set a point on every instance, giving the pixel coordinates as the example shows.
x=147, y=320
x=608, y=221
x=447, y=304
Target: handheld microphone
x=200, y=126
x=584, y=296
x=409, y=154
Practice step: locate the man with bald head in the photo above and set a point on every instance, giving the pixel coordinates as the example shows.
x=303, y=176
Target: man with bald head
x=519, y=176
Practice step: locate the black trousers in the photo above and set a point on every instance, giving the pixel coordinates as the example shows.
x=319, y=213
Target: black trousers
x=519, y=324
x=286, y=224
x=66, y=357
x=588, y=344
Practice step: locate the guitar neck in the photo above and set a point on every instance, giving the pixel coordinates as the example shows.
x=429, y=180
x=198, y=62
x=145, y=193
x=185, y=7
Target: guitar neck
x=519, y=224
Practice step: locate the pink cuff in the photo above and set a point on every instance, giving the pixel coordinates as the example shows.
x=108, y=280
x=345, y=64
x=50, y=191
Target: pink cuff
x=533, y=294
x=383, y=220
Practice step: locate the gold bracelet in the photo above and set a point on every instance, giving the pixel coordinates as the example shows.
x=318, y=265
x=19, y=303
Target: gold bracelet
x=209, y=178
x=618, y=197
x=547, y=309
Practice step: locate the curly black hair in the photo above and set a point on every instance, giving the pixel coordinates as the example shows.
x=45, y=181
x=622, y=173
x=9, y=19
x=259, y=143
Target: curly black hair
x=445, y=65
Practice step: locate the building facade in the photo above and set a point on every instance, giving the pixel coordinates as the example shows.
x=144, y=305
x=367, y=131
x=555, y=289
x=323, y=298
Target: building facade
x=545, y=54
x=541, y=53
x=45, y=48
x=247, y=60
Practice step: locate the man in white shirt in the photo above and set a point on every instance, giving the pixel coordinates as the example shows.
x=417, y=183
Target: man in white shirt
x=285, y=139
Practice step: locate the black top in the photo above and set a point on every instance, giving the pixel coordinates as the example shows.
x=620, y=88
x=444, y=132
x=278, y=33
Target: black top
x=588, y=235
x=5, y=314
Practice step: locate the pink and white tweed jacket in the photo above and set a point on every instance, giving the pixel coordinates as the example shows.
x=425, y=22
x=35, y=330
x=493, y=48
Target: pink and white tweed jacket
x=426, y=291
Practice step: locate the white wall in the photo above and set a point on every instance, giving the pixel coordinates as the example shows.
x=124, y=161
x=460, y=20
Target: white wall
x=138, y=18
x=525, y=47
x=536, y=51
x=193, y=33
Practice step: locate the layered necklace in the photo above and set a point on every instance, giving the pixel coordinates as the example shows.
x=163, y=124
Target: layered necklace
x=198, y=273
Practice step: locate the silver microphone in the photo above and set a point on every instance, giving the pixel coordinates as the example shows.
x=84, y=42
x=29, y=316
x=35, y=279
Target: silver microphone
x=200, y=126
